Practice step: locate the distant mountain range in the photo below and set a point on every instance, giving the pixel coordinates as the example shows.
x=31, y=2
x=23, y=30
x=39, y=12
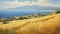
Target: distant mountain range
x=24, y=8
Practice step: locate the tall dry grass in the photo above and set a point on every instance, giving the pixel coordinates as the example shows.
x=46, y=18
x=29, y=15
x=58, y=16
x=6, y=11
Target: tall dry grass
x=47, y=26
x=41, y=25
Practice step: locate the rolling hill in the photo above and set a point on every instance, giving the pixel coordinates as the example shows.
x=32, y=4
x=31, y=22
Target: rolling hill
x=42, y=25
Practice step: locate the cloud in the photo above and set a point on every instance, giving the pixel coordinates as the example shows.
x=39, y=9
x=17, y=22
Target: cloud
x=13, y=4
x=43, y=3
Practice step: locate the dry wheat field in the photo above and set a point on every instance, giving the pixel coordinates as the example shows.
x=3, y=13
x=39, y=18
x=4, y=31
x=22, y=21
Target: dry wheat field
x=49, y=24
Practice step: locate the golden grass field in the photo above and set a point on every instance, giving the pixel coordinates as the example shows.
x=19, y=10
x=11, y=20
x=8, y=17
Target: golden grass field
x=42, y=25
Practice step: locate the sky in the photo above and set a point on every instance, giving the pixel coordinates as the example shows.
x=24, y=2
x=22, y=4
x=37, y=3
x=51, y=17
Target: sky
x=5, y=4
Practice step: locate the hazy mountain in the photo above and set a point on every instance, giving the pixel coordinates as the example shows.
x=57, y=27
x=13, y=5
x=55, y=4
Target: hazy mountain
x=29, y=8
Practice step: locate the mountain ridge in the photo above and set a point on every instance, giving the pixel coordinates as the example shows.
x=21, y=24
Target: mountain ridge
x=34, y=8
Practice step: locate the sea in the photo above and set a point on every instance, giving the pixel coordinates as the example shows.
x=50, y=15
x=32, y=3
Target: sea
x=11, y=13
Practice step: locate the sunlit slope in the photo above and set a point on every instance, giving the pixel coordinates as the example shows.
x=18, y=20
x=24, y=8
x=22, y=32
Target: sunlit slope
x=42, y=25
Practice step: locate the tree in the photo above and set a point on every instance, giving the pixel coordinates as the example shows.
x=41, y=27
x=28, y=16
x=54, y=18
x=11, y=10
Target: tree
x=58, y=11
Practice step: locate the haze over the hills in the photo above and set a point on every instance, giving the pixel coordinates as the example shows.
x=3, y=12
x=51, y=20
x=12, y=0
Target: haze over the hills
x=6, y=4
x=35, y=7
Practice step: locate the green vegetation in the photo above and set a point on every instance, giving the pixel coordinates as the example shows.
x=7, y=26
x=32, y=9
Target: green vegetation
x=8, y=32
x=6, y=20
x=58, y=11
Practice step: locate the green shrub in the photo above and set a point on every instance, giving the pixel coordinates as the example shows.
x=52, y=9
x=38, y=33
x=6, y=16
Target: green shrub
x=5, y=22
x=21, y=18
x=8, y=19
x=58, y=11
x=26, y=17
x=5, y=19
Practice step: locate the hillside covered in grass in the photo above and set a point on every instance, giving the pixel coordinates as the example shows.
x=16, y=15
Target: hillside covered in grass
x=48, y=24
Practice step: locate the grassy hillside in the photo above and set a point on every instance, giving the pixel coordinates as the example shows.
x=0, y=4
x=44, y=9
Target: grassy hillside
x=42, y=25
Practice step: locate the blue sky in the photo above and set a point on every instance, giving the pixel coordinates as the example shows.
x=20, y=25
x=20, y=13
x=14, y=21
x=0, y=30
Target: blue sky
x=55, y=1
x=4, y=4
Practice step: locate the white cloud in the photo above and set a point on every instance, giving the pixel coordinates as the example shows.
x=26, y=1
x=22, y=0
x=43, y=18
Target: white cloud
x=44, y=3
x=26, y=3
x=55, y=5
x=14, y=4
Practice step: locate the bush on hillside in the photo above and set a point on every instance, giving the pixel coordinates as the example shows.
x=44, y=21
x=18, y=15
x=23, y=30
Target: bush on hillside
x=26, y=17
x=5, y=19
x=5, y=22
x=58, y=11
x=21, y=18
x=8, y=19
